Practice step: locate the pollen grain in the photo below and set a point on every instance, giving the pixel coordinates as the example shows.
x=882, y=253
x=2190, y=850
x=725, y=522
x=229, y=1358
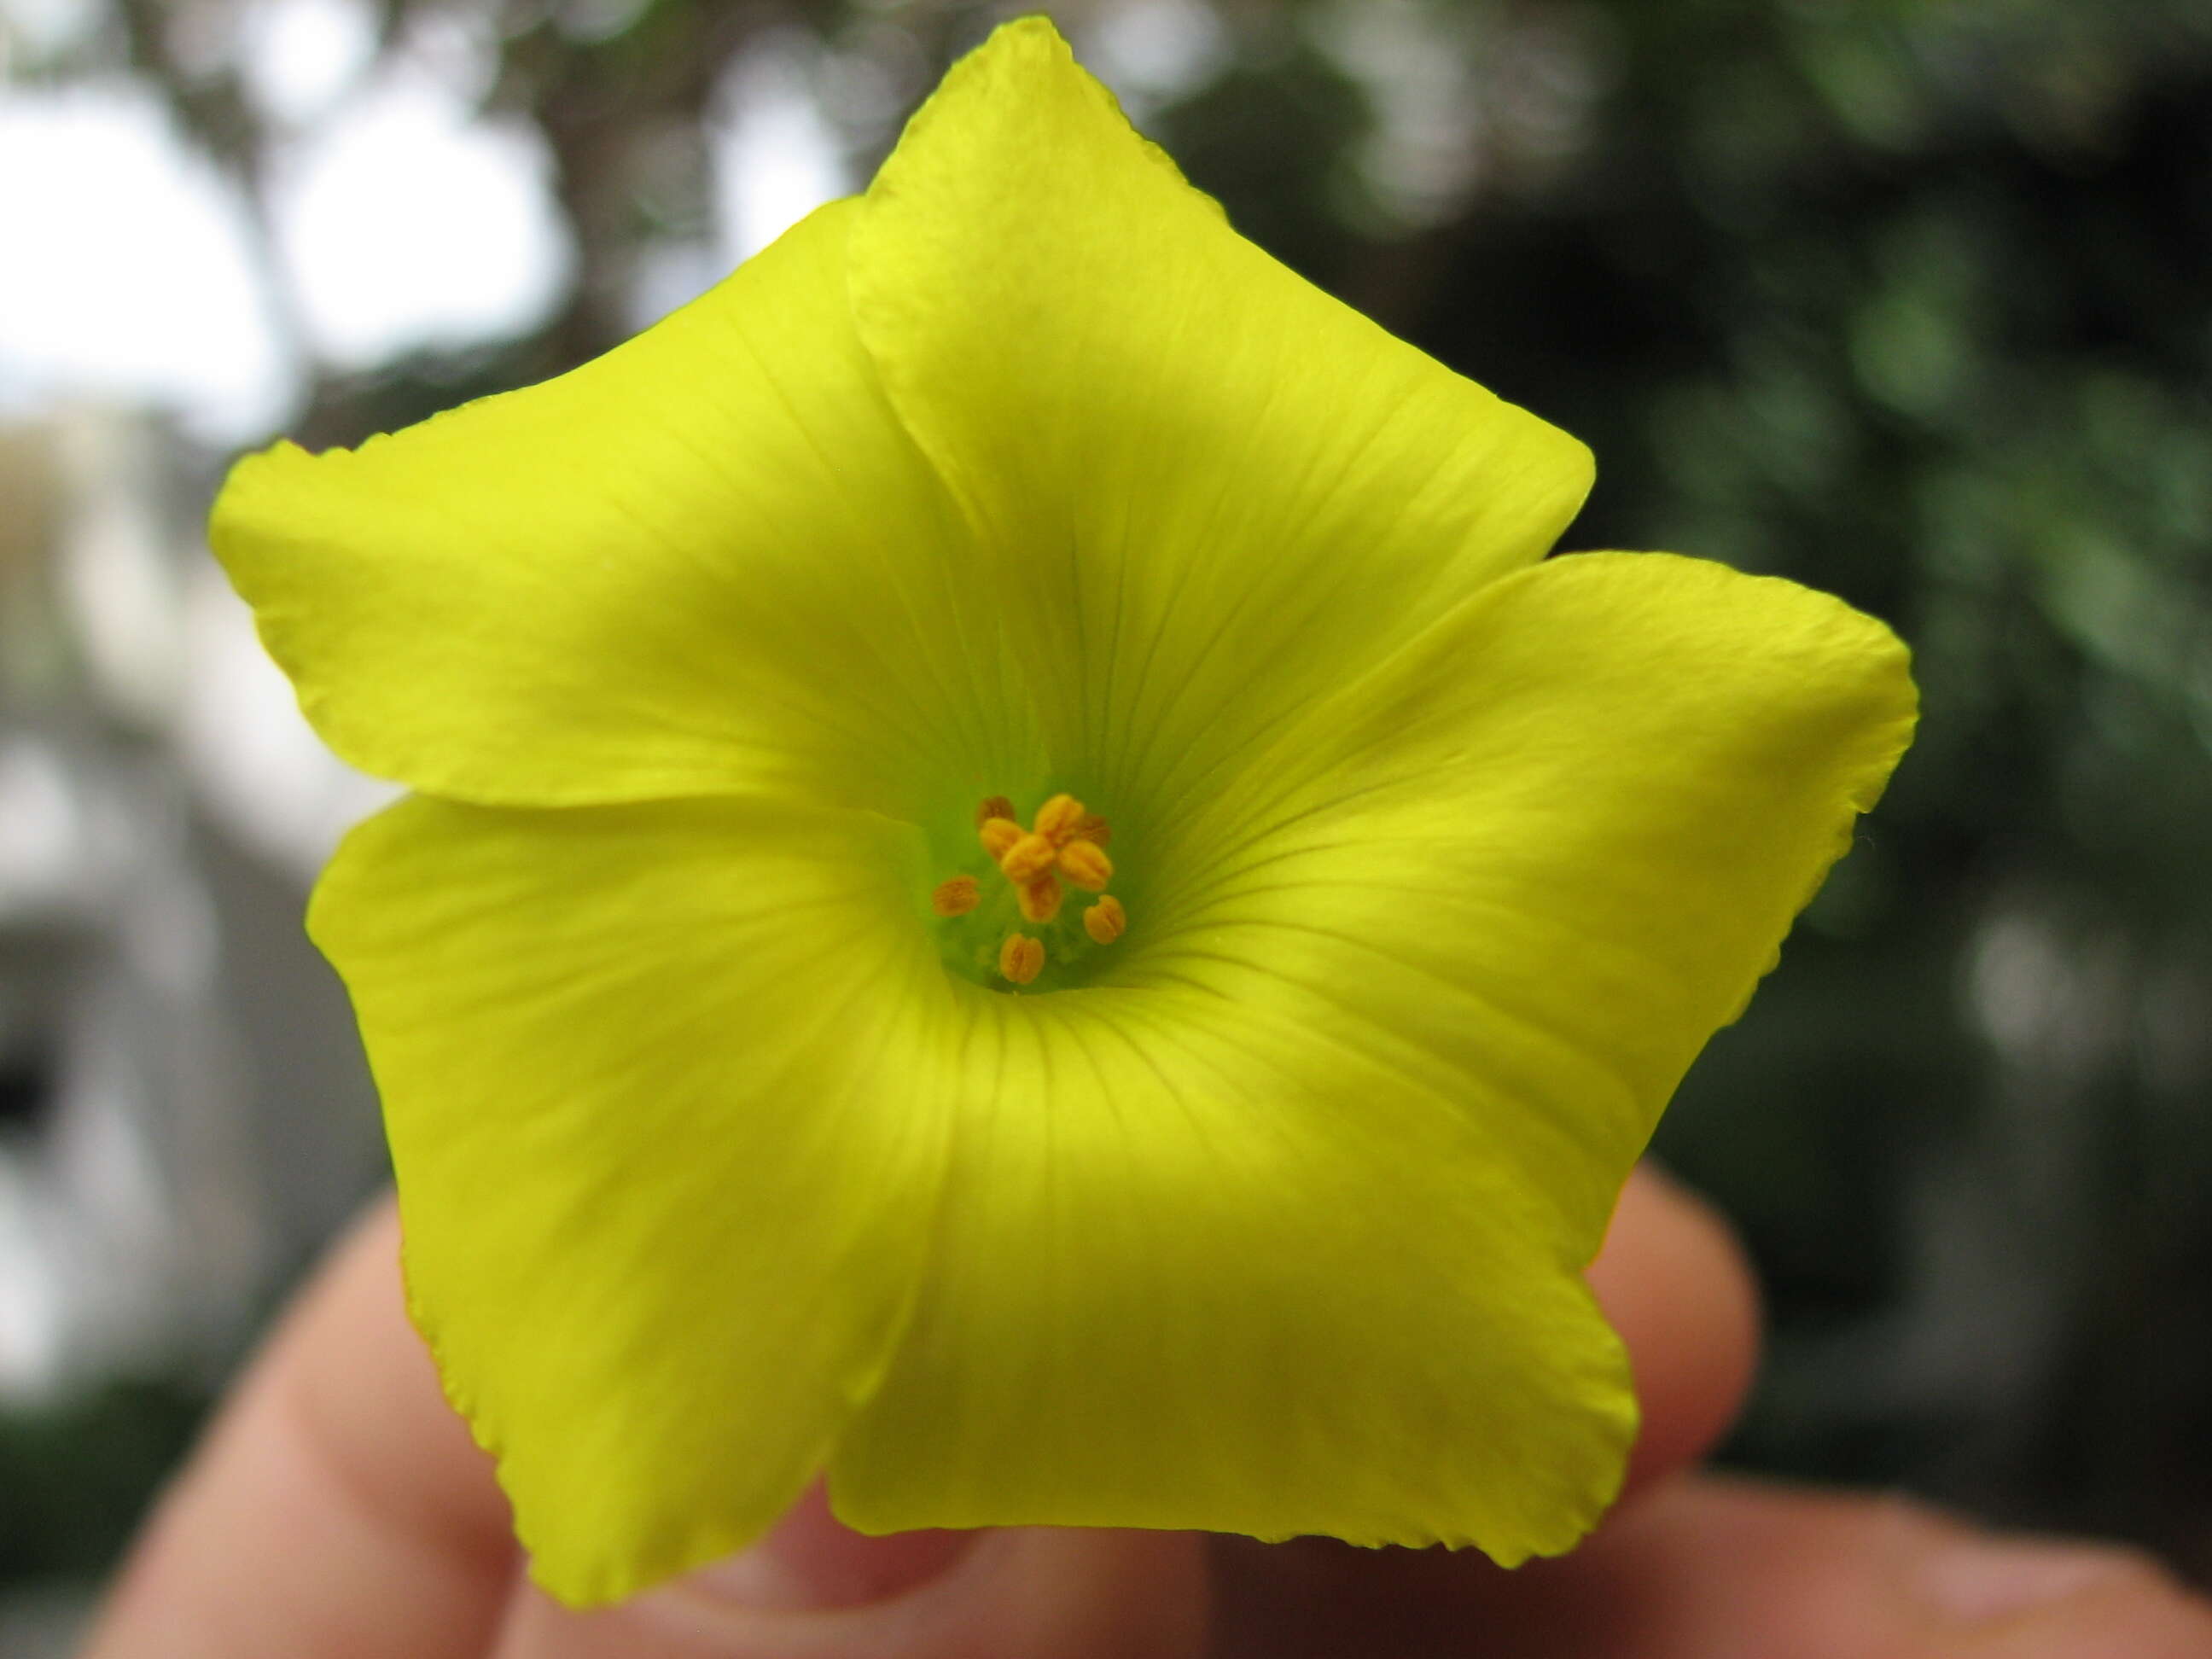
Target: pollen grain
x=1084, y=864
x=1039, y=899
x=956, y=897
x=1056, y=820
x=1027, y=858
x=1021, y=958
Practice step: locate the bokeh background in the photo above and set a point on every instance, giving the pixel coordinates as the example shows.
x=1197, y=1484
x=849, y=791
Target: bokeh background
x=1911, y=301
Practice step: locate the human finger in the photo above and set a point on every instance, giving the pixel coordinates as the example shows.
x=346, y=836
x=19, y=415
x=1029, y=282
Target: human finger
x=1712, y=1567
x=814, y=1590
x=336, y=1507
x=1675, y=1284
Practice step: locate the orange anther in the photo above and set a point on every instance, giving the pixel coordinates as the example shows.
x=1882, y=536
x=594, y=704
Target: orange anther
x=997, y=835
x=1027, y=858
x=997, y=807
x=1039, y=899
x=1086, y=864
x=1105, y=920
x=1057, y=818
x=1021, y=958
x=956, y=898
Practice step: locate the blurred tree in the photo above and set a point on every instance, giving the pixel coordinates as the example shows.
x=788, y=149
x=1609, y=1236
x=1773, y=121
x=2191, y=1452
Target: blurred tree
x=1915, y=303
x=76, y=1477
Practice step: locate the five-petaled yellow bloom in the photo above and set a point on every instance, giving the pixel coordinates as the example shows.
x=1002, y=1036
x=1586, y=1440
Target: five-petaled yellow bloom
x=1024, y=888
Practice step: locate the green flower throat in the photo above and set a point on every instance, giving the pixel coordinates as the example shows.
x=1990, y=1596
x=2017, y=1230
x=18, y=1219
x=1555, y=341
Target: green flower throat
x=1012, y=926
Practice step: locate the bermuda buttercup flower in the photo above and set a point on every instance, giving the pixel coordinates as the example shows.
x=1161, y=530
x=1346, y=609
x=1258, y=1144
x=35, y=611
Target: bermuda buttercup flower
x=1024, y=888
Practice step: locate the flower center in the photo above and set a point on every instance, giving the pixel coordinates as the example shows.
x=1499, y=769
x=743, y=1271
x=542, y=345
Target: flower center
x=1009, y=924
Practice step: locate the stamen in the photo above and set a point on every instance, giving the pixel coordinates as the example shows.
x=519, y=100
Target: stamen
x=1066, y=850
x=956, y=897
x=1021, y=958
x=1039, y=899
x=1084, y=864
x=1027, y=858
x=1057, y=818
x=1105, y=920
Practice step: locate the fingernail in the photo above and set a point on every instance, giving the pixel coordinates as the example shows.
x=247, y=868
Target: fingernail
x=1977, y=1580
x=812, y=1562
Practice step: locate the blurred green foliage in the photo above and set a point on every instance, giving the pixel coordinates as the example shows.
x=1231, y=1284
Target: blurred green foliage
x=1916, y=304
x=76, y=1477
x=1911, y=301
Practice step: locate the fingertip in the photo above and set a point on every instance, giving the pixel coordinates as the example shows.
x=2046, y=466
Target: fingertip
x=2143, y=1613
x=1676, y=1285
x=337, y=1456
x=813, y=1592
x=2027, y=1596
x=361, y=1380
x=811, y=1561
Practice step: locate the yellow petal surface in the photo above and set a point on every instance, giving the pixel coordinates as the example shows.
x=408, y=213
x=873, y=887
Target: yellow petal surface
x=709, y=561
x=666, y=1159
x=1282, y=1232
x=1534, y=860
x=1203, y=491
x=1198, y=1269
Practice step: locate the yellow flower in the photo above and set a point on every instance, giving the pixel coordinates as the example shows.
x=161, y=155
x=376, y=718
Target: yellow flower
x=756, y=1111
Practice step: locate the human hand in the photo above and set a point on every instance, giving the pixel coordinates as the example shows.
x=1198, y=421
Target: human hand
x=338, y=1508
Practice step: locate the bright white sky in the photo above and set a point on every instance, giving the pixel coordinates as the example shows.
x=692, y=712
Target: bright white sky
x=129, y=271
x=131, y=275
x=125, y=268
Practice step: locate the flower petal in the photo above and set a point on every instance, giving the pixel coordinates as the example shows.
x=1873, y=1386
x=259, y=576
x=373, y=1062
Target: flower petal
x=1204, y=489
x=1199, y=1268
x=1281, y=1231
x=708, y=560
x=654, y=1079
x=1538, y=858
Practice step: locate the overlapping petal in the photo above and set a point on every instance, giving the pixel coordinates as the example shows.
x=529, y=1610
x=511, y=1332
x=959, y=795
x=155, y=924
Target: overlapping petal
x=1534, y=860
x=1199, y=1268
x=1202, y=490
x=708, y=561
x=666, y=1159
